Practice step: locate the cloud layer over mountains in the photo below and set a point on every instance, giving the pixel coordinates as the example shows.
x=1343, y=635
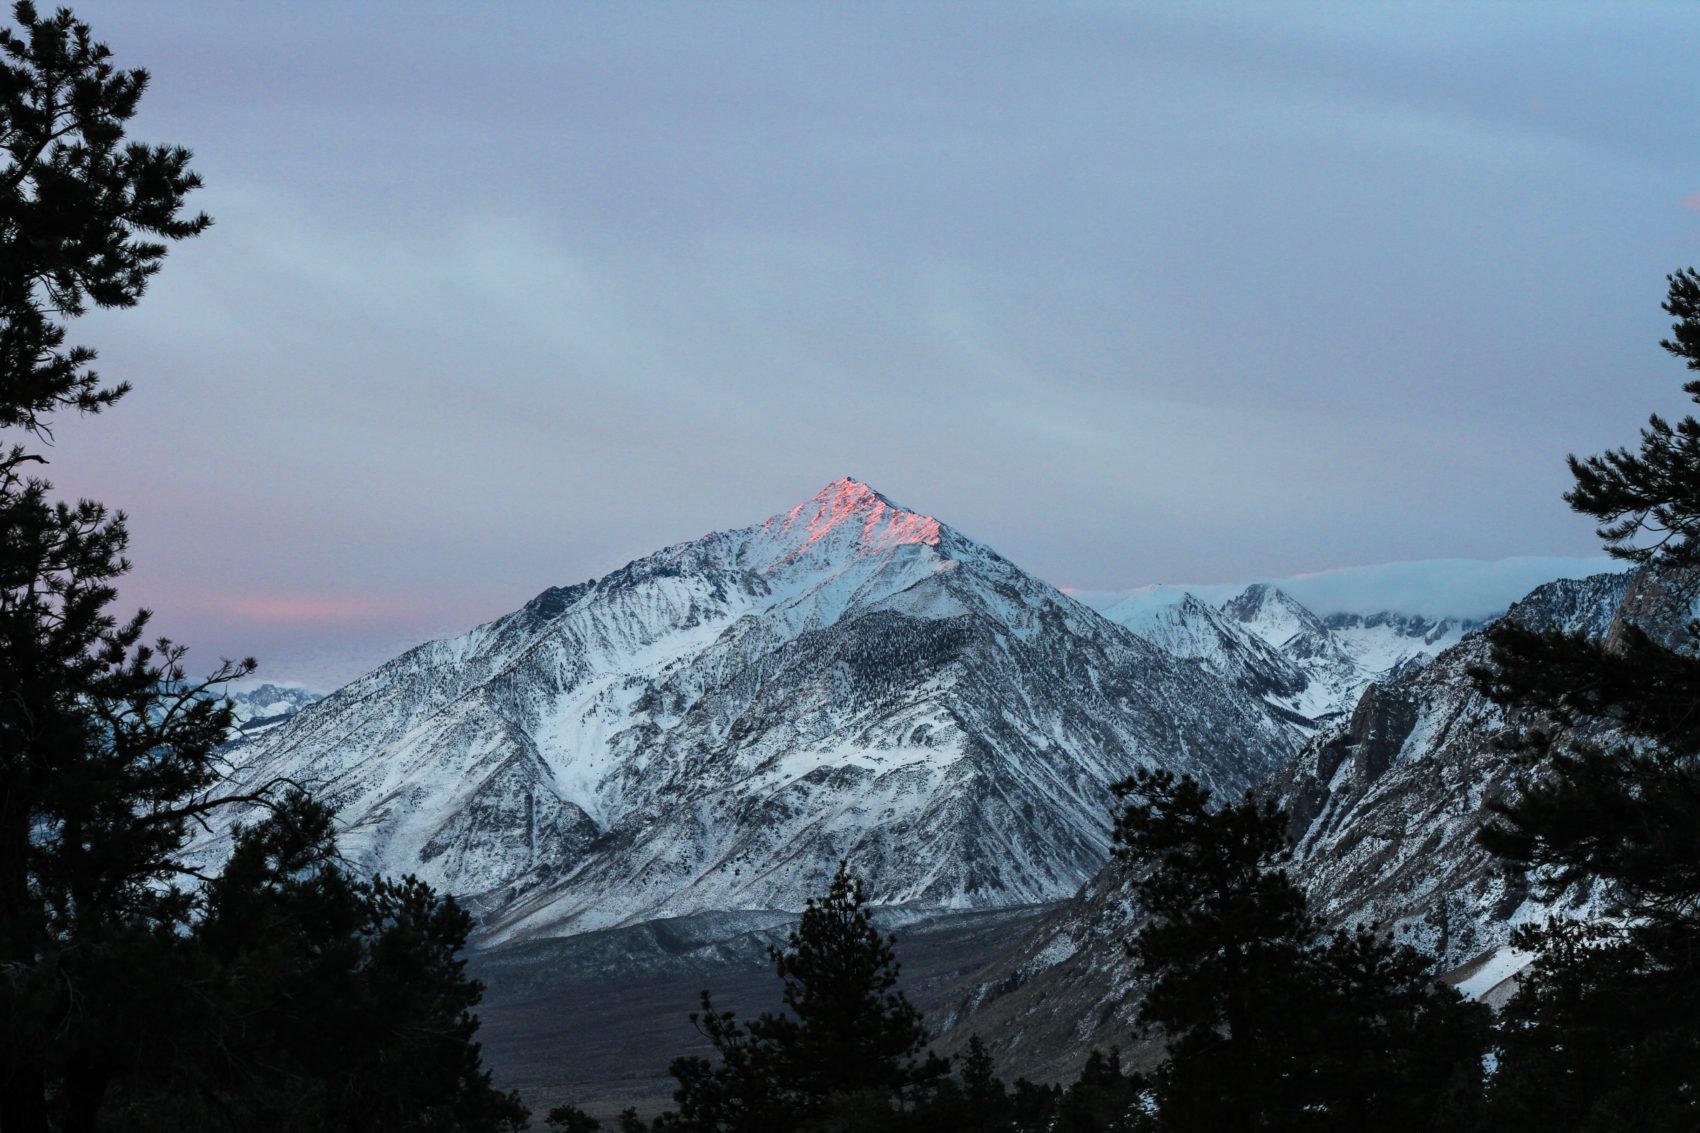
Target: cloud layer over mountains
x=1471, y=589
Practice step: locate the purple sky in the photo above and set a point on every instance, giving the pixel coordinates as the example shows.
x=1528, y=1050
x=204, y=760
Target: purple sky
x=501, y=296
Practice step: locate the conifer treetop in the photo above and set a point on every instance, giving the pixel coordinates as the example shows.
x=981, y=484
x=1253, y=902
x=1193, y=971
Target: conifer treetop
x=84, y=214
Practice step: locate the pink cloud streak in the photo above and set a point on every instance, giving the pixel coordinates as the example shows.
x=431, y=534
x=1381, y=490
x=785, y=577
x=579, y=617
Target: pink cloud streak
x=299, y=609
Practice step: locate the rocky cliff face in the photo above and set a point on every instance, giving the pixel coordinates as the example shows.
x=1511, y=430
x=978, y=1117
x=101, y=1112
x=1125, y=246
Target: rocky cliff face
x=1385, y=806
x=713, y=726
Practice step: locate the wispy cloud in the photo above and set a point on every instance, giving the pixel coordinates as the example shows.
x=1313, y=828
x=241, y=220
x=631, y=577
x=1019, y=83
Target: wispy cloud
x=1128, y=291
x=294, y=609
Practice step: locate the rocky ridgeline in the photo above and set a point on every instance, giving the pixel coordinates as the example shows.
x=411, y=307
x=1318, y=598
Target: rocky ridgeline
x=712, y=727
x=1385, y=803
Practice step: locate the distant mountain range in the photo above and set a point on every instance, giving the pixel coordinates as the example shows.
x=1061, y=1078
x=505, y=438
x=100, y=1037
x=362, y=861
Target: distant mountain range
x=1313, y=669
x=697, y=738
x=1385, y=804
x=262, y=706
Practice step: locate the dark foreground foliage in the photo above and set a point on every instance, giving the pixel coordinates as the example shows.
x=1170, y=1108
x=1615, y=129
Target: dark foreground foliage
x=1604, y=1033
x=1269, y=1021
x=319, y=1001
x=847, y=1053
x=135, y=993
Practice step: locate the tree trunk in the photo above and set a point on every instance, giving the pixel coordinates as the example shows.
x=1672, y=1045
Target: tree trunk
x=23, y=1106
x=85, y=1088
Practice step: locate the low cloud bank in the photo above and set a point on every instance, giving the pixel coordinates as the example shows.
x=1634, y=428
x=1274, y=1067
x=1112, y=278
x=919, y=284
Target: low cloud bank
x=1459, y=588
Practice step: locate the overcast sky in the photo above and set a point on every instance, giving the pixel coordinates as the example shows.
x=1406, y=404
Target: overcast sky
x=501, y=296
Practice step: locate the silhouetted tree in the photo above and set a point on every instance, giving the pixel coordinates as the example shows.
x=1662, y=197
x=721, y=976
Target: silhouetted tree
x=1269, y=1022
x=114, y=968
x=572, y=1119
x=1588, y=1042
x=1103, y=1099
x=105, y=748
x=82, y=211
x=1390, y=1049
x=973, y=1101
x=1226, y=951
x=985, y=1101
x=320, y=1001
x=846, y=1052
x=1031, y=1105
x=1604, y=1032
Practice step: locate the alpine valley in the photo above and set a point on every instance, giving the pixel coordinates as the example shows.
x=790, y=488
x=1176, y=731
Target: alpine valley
x=640, y=779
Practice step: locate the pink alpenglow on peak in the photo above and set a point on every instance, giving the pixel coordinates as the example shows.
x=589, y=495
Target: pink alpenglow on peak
x=849, y=505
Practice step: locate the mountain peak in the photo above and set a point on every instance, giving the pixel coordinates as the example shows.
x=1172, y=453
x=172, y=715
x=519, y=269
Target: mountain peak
x=852, y=508
x=1271, y=614
x=848, y=493
x=1260, y=596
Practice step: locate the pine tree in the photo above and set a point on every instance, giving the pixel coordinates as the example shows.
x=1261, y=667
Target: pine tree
x=82, y=211
x=973, y=1101
x=1605, y=1030
x=1033, y=1105
x=1225, y=951
x=319, y=1001
x=115, y=968
x=1389, y=1049
x=1586, y=1041
x=1271, y=1023
x=1654, y=492
x=572, y=1119
x=847, y=1052
x=1102, y=1100
x=105, y=747
x=985, y=1101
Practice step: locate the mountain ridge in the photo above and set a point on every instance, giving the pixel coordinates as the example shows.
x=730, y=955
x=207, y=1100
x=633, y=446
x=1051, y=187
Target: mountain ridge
x=713, y=725
x=1384, y=806
x=1308, y=669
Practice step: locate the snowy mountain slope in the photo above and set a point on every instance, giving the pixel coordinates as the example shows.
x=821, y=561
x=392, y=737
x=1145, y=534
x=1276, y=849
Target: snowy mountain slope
x=1387, y=804
x=259, y=706
x=713, y=726
x=1273, y=616
x=1308, y=669
x=1185, y=626
x=1386, y=643
x=1385, y=807
x=1063, y=987
x=1342, y=653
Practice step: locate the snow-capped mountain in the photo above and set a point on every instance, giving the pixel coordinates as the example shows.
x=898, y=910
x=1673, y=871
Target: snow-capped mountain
x=1273, y=616
x=1342, y=654
x=1309, y=669
x=1385, y=807
x=713, y=726
x=1190, y=628
x=258, y=707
